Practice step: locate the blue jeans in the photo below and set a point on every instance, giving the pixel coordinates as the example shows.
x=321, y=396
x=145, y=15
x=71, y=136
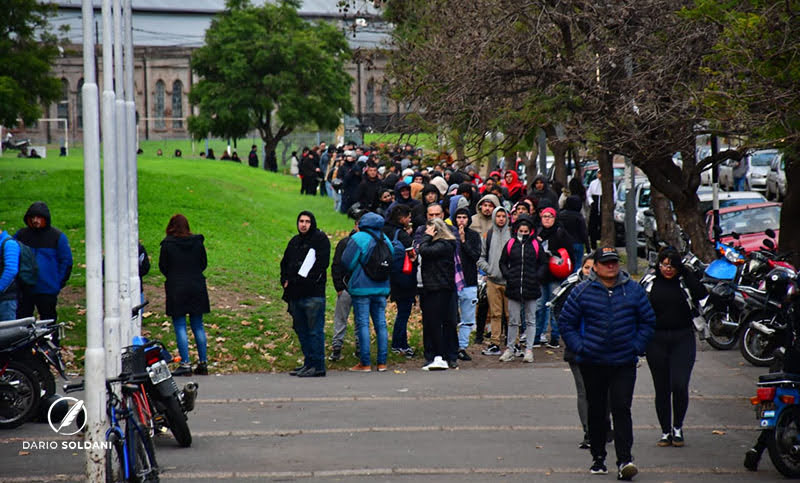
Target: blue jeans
x=467, y=302
x=196, y=321
x=308, y=317
x=738, y=184
x=8, y=310
x=577, y=256
x=543, y=315
x=400, y=332
x=363, y=308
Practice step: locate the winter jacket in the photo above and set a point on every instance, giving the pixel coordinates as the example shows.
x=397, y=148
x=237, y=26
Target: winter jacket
x=552, y=240
x=673, y=300
x=368, y=192
x=545, y=197
x=338, y=273
x=438, y=264
x=481, y=223
x=573, y=221
x=469, y=250
x=51, y=248
x=309, y=165
x=312, y=285
x=9, y=267
x=492, y=244
x=402, y=285
x=603, y=326
x=357, y=253
x=182, y=261
x=524, y=266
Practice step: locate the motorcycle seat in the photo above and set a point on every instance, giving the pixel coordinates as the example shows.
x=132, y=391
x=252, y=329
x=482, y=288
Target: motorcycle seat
x=7, y=324
x=12, y=336
x=778, y=378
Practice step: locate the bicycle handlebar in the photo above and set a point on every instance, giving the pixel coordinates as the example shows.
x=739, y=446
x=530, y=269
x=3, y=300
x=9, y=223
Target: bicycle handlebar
x=135, y=310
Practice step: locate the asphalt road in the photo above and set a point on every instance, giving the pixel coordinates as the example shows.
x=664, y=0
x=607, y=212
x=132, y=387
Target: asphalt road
x=469, y=425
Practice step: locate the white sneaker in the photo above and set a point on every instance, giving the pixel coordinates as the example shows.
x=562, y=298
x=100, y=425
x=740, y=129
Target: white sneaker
x=528, y=356
x=507, y=356
x=439, y=364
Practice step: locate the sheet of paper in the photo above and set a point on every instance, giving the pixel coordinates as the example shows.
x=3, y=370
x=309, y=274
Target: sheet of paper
x=311, y=257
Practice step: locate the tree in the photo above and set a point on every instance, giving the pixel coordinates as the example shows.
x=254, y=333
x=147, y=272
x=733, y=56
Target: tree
x=265, y=68
x=27, y=50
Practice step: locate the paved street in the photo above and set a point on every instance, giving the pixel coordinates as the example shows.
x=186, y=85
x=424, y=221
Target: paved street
x=469, y=425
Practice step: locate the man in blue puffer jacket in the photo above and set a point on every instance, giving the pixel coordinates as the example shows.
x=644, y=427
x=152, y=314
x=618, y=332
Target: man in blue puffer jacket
x=53, y=257
x=9, y=267
x=368, y=295
x=607, y=321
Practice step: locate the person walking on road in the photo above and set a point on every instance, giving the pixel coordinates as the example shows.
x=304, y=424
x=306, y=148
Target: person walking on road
x=304, y=269
x=607, y=321
x=182, y=261
x=674, y=294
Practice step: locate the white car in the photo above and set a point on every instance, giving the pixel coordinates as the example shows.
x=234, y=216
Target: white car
x=642, y=197
x=776, y=179
x=760, y=163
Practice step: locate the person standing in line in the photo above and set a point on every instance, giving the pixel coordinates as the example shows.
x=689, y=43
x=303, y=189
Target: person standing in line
x=252, y=158
x=594, y=193
x=553, y=238
x=9, y=267
x=575, y=224
x=439, y=300
x=368, y=295
x=182, y=261
x=403, y=286
x=674, y=294
x=469, y=254
x=523, y=263
x=53, y=258
x=607, y=321
x=304, y=269
x=492, y=246
x=344, y=303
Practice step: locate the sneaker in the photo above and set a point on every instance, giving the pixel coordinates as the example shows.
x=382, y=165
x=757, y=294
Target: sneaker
x=396, y=350
x=409, y=352
x=585, y=444
x=201, y=369
x=492, y=350
x=553, y=344
x=518, y=352
x=336, y=355
x=452, y=364
x=437, y=364
x=598, y=467
x=382, y=367
x=528, y=356
x=462, y=355
x=311, y=372
x=296, y=370
x=751, y=459
x=507, y=356
x=677, y=437
x=537, y=344
x=627, y=471
x=523, y=338
x=666, y=440
x=360, y=368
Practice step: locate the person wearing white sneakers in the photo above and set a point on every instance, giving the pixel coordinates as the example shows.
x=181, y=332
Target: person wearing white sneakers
x=523, y=264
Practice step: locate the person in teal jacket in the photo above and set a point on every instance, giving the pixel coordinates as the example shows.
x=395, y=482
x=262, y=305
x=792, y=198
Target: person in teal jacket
x=369, y=296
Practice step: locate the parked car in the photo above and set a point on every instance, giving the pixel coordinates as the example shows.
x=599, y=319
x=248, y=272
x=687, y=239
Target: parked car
x=642, y=197
x=749, y=222
x=758, y=165
x=776, y=179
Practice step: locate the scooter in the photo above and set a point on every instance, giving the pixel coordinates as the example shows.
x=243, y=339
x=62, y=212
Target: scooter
x=722, y=309
x=777, y=405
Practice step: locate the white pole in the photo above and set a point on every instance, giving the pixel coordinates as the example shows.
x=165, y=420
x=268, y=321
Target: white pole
x=66, y=135
x=133, y=197
x=95, y=368
x=123, y=226
x=110, y=206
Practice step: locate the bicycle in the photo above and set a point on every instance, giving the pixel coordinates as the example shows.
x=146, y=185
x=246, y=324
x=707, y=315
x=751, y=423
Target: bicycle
x=131, y=456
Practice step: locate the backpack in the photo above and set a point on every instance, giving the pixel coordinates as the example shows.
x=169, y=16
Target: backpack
x=399, y=255
x=378, y=266
x=28, y=272
x=534, y=242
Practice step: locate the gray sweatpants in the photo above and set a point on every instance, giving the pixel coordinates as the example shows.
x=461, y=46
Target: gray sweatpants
x=344, y=305
x=515, y=321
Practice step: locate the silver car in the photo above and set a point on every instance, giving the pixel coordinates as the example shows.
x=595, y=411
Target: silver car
x=760, y=163
x=776, y=179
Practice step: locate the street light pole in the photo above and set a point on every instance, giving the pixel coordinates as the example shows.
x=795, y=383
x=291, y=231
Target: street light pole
x=133, y=191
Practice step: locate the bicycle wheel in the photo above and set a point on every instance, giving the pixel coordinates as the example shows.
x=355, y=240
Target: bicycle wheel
x=115, y=459
x=141, y=453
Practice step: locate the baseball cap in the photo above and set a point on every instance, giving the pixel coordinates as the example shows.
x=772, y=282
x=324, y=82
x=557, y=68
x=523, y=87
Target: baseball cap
x=606, y=254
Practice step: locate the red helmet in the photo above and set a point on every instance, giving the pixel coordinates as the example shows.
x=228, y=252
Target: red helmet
x=561, y=264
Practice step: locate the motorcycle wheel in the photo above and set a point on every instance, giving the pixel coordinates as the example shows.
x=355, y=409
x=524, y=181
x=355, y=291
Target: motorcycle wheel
x=177, y=421
x=47, y=382
x=784, y=443
x=19, y=395
x=720, y=337
x=756, y=347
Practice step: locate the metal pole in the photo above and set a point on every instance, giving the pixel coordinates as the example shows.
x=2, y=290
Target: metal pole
x=110, y=205
x=542, y=140
x=133, y=195
x=123, y=226
x=715, y=186
x=66, y=135
x=94, y=364
x=630, y=218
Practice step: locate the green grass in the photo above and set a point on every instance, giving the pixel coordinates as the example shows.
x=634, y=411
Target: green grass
x=246, y=215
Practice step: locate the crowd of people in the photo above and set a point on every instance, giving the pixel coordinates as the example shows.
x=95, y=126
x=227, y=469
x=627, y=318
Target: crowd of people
x=511, y=264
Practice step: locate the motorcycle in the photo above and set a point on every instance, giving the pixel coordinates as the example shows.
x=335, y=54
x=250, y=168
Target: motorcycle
x=27, y=351
x=169, y=405
x=722, y=309
x=777, y=404
x=10, y=143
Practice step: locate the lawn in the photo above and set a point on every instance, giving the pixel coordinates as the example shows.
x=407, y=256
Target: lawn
x=246, y=215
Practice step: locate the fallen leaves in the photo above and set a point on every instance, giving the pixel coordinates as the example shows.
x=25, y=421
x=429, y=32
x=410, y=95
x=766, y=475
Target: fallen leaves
x=718, y=432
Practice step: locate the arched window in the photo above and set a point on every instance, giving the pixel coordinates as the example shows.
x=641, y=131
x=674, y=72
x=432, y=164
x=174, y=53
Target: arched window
x=385, y=98
x=79, y=104
x=177, y=104
x=159, y=105
x=370, y=98
x=62, y=112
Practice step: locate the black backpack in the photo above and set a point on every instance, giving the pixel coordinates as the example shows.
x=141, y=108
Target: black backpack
x=28, y=273
x=378, y=266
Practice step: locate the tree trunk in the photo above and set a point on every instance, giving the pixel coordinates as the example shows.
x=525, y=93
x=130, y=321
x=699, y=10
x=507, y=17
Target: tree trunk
x=459, y=145
x=694, y=225
x=559, y=150
x=608, y=235
x=270, y=158
x=510, y=156
x=667, y=229
x=789, y=240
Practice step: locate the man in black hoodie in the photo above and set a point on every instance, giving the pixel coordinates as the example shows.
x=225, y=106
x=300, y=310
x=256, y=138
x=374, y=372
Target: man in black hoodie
x=430, y=195
x=369, y=189
x=468, y=252
x=303, y=277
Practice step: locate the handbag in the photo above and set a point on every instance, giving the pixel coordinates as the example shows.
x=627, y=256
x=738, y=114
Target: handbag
x=408, y=267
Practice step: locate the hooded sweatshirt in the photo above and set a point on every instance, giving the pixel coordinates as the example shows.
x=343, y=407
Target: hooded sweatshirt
x=515, y=189
x=441, y=184
x=418, y=213
x=9, y=267
x=482, y=224
x=545, y=197
x=51, y=248
x=357, y=253
x=469, y=249
x=492, y=248
x=312, y=285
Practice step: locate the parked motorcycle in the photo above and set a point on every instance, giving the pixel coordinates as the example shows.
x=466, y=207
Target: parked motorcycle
x=11, y=143
x=777, y=403
x=722, y=309
x=169, y=404
x=27, y=351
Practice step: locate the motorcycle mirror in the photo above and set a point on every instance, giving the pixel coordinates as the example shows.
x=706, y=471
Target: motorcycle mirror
x=649, y=212
x=735, y=235
x=769, y=244
x=770, y=233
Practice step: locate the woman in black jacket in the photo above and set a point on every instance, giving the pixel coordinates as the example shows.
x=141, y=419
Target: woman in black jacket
x=438, y=299
x=403, y=286
x=552, y=237
x=182, y=261
x=673, y=293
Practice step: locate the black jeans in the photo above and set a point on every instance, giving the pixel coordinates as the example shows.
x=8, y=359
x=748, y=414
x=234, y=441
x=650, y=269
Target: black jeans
x=671, y=355
x=44, y=303
x=439, y=324
x=610, y=385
